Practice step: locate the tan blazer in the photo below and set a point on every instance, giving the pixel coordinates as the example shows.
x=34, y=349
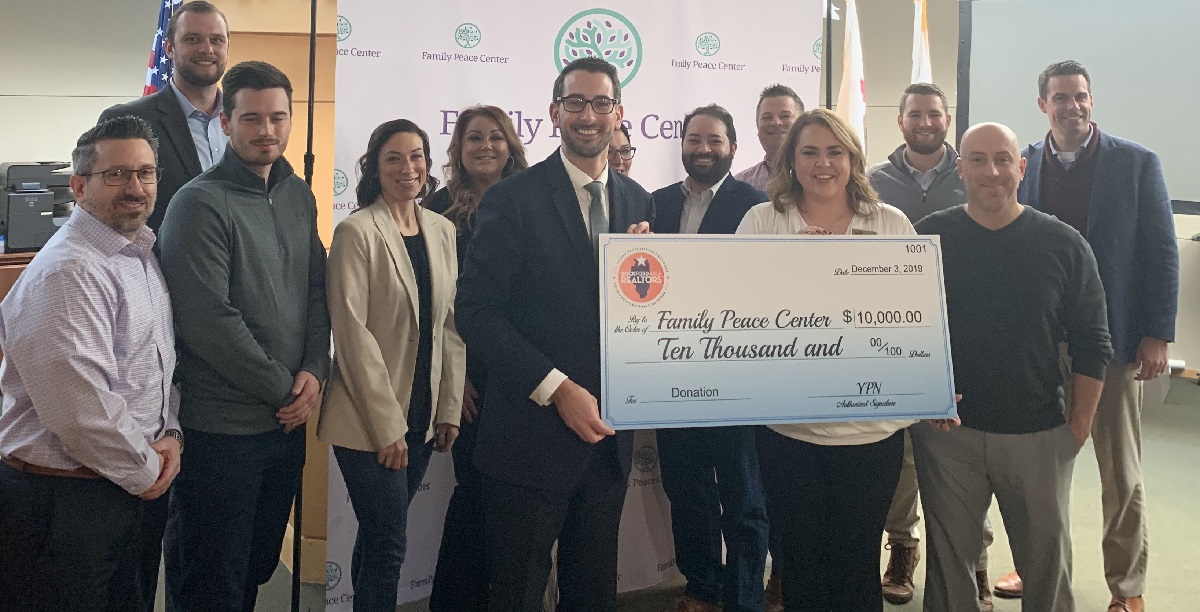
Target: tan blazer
x=372, y=293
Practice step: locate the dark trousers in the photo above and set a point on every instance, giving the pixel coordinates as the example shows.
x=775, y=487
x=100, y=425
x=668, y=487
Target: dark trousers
x=523, y=523
x=460, y=581
x=228, y=512
x=711, y=477
x=380, y=497
x=828, y=505
x=69, y=544
x=150, y=542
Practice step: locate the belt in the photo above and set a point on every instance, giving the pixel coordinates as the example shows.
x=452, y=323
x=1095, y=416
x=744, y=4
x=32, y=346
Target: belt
x=29, y=468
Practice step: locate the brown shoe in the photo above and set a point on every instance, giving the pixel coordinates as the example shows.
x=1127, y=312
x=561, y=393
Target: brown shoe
x=691, y=604
x=985, y=593
x=774, y=594
x=898, y=579
x=1127, y=604
x=1010, y=586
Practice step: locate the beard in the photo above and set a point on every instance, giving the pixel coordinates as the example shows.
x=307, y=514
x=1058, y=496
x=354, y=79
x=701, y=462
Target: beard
x=584, y=149
x=196, y=79
x=711, y=174
x=924, y=147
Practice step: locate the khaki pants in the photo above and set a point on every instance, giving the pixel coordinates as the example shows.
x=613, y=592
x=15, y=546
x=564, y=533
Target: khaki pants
x=1117, y=439
x=902, y=519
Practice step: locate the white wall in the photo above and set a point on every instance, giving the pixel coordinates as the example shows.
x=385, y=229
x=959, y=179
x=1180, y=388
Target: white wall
x=64, y=62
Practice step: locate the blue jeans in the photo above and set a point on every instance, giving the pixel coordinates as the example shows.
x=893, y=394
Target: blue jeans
x=711, y=477
x=380, y=498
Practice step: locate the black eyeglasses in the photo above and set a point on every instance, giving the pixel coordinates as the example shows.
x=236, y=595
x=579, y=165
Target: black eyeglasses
x=575, y=104
x=119, y=177
x=626, y=152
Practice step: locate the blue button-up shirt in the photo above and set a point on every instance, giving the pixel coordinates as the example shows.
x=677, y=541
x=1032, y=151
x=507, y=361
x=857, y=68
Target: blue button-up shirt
x=206, y=131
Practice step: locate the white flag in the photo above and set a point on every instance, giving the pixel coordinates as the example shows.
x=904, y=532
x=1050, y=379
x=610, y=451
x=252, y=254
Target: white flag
x=922, y=68
x=852, y=98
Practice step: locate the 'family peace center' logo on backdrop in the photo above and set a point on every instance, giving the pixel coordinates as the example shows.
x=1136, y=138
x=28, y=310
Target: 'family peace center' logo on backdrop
x=641, y=277
x=600, y=33
x=344, y=29
x=333, y=575
x=467, y=35
x=707, y=44
x=340, y=182
x=817, y=47
x=645, y=459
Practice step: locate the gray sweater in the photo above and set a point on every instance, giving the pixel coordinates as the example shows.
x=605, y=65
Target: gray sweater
x=246, y=272
x=896, y=185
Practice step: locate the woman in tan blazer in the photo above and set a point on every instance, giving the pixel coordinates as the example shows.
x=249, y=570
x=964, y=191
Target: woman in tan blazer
x=396, y=388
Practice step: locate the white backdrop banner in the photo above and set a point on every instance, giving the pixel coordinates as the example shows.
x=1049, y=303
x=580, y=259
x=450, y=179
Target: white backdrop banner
x=427, y=62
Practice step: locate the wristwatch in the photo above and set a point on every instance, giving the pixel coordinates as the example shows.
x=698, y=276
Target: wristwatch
x=178, y=435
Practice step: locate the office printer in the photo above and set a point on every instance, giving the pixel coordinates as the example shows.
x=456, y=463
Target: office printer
x=35, y=202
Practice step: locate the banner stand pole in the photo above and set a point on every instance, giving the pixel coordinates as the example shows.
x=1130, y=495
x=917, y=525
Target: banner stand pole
x=826, y=56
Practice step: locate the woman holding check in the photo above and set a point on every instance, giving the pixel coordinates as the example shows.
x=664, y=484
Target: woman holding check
x=828, y=485
x=398, y=365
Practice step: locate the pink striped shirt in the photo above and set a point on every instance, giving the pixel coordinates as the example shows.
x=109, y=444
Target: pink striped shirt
x=89, y=350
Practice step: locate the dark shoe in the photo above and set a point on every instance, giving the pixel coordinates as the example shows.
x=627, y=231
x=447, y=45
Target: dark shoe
x=898, y=579
x=985, y=593
x=774, y=594
x=1010, y=586
x=1127, y=604
x=691, y=604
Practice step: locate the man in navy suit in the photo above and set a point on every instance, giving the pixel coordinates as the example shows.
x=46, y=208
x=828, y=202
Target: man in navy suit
x=186, y=114
x=710, y=474
x=528, y=303
x=1112, y=191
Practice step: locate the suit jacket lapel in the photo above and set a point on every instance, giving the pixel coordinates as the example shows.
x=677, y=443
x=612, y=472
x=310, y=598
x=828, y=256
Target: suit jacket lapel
x=394, y=241
x=618, y=206
x=176, y=130
x=567, y=205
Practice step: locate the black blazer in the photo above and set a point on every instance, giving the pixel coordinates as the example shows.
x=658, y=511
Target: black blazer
x=725, y=213
x=176, y=149
x=529, y=302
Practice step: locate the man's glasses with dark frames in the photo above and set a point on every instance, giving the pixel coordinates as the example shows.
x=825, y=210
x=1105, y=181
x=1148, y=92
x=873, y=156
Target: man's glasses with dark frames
x=119, y=177
x=576, y=104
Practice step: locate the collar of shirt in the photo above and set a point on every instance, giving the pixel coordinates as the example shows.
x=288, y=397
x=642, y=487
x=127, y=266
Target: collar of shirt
x=1059, y=154
x=105, y=239
x=687, y=188
x=190, y=110
x=941, y=167
x=579, y=179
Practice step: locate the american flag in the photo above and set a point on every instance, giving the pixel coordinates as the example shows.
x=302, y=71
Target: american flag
x=158, y=72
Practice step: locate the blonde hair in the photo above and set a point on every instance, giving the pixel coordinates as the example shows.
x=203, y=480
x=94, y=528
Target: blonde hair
x=785, y=191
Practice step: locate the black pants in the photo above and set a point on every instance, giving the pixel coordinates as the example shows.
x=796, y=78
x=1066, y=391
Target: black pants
x=228, y=512
x=828, y=505
x=523, y=523
x=460, y=581
x=70, y=544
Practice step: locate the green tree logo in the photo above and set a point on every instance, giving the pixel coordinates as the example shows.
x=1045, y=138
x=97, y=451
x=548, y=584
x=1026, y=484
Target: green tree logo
x=344, y=28
x=333, y=575
x=340, y=182
x=645, y=459
x=467, y=35
x=600, y=33
x=707, y=44
x=818, y=47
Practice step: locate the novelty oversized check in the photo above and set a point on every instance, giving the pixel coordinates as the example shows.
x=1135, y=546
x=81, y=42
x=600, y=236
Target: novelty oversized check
x=703, y=330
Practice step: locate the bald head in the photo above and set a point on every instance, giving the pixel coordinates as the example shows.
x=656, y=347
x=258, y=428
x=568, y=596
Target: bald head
x=991, y=167
x=989, y=134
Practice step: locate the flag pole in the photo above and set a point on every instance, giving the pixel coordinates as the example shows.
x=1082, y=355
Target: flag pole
x=827, y=56
x=309, y=159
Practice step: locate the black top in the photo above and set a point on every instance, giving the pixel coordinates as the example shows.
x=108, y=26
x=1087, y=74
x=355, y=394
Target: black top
x=1012, y=296
x=420, y=408
x=439, y=203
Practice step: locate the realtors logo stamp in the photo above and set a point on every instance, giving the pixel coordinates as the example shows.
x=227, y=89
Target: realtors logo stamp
x=600, y=33
x=707, y=44
x=641, y=277
x=468, y=35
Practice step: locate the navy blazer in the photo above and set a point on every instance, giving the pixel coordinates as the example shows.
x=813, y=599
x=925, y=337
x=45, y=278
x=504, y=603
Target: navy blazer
x=1132, y=233
x=176, y=148
x=724, y=214
x=529, y=302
